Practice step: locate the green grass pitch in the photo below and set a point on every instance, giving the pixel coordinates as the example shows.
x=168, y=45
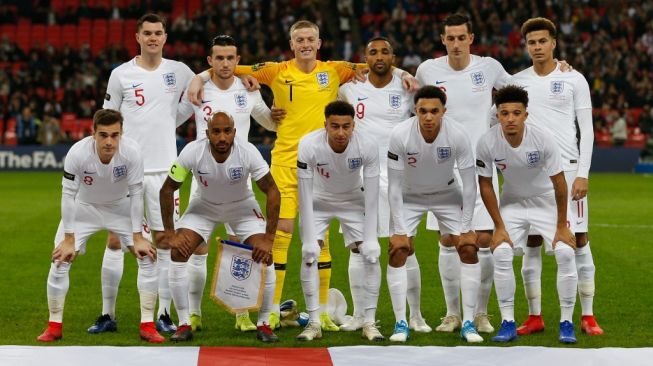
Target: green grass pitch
x=621, y=227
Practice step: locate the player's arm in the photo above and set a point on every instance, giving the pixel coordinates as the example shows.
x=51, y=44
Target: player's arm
x=263, y=72
x=142, y=246
x=113, y=96
x=371, y=250
x=262, y=113
x=465, y=161
x=175, y=178
x=305, y=173
x=562, y=231
x=273, y=201
x=399, y=238
x=580, y=184
x=65, y=250
x=185, y=109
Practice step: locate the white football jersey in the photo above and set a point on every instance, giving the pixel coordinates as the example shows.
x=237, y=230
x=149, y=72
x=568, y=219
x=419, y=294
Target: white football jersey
x=469, y=91
x=148, y=101
x=236, y=101
x=223, y=182
x=428, y=168
x=552, y=103
x=99, y=183
x=378, y=111
x=527, y=168
x=337, y=175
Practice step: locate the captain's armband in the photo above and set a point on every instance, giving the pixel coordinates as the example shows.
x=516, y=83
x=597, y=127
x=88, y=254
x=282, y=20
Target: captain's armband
x=178, y=173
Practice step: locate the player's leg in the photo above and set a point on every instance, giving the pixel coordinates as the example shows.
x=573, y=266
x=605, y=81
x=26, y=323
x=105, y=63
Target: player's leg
x=484, y=227
x=449, y=267
x=324, y=272
x=196, y=274
x=532, y=278
x=356, y=272
x=111, y=274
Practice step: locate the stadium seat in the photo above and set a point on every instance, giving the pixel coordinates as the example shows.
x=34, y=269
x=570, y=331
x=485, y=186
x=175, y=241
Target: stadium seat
x=9, y=30
x=58, y=6
x=83, y=33
x=69, y=125
x=602, y=137
x=10, y=137
x=193, y=7
x=100, y=35
x=23, y=34
x=636, y=139
x=115, y=31
x=53, y=36
x=86, y=126
x=37, y=35
x=69, y=35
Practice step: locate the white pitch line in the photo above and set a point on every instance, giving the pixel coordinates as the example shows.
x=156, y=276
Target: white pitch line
x=626, y=226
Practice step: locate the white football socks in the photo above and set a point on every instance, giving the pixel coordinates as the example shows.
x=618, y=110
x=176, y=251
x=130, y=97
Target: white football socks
x=414, y=289
x=163, y=264
x=504, y=281
x=397, y=286
x=449, y=265
x=178, y=276
x=586, y=270
x=310, y=280
x=147, y=283
x=486, y=261
x=567, y=280
x=372, y=288
x=531, y=271
x=196, y=282
x=470, y=281
x=112, y=267
x=57, y=288
x=357, y=283
x=268, y=294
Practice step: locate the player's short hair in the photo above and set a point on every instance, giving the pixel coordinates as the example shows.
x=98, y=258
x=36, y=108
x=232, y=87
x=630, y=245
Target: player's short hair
x=151, y=18
x=511, y=94
x=303, y=24
x=380, y=38
x=430, y=92
x=457, y=19
x=106, y=117
x=222, y=40
x=339, y=108
x=225, y=113
x=536, y=24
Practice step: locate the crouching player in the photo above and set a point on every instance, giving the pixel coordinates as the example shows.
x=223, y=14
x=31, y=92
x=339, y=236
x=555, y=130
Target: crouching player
x=222, y=165
x=534, y=197
x=329, y=165
x=102, y=189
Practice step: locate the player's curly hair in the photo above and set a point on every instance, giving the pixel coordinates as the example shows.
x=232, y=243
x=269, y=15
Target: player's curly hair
x=511, y=94
x=106, y=117
x=339, y=108
x=430, y=92
x=536, y=24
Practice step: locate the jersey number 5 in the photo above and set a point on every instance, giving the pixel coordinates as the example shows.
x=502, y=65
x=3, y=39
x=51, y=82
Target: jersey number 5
x=138, y=93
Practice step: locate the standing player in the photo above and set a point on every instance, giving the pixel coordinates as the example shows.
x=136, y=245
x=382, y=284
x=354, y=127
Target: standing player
x=421, y=158
x=559, y=100
x=529, y=161
x=224, y=92
x=381, y=103
x=302, y=87
x=147, y=90
x=222, y=164
x=330, y=164
x=102, y=189
x=468, y=81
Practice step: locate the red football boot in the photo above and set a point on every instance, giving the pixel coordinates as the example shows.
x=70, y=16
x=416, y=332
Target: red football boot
x=533, y=324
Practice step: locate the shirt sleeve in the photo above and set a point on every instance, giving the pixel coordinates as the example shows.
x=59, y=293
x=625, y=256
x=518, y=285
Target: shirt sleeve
x=70, y=186
x=345, y=70
x=395, y=151
x=304, y=161
x=183, y=165
x=483, y=158
x=136, y=171
x=113, y=96
x=261, y=112
x=264, y=72
x=371, y=161
x=258, y=168
x=464, y=152
x=552, y=155
x=502, y=76
x=583, y=107
x=185, y=109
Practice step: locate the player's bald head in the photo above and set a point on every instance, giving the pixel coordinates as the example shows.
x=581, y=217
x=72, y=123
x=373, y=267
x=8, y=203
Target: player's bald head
x=222, y=119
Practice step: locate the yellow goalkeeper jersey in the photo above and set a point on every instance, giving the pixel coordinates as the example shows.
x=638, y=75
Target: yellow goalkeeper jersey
x=302, y=95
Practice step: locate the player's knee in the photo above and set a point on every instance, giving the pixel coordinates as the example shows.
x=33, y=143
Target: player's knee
x=586, y=271
x=468, y=253
x=448, y=240
x=534, y=241
x=484, y=238
x=503, y=256
x=158, y=240
x=564, y=254
x=113, y=242
x=586, y=288
x=398, y=257
x=581, y=239
x=177, y=256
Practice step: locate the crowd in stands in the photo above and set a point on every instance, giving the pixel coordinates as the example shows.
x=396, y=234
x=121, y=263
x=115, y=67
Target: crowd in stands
x=44, y=80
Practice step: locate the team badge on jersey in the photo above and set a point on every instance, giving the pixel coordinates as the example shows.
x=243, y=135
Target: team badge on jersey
x=241, y=268
x=478, y=78
x=395, y=101
x=170, y=79
x=444, y=153
x=236, y=174
x=322, y=79
x=119, y=172
x=532, y=158
x=355, y=163
x=241, y=100
x=557, y=87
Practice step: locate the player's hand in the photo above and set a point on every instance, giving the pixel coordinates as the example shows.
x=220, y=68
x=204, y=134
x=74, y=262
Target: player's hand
x=65, y=250
x=399, y=243
x=143, y=247
x=371, y=250
x=360, y=74
x=564, y=66
x=468, y=238
x=310, y=251
x=564, y=235
x=278, y=114
x=182, y=244
x=250, y=83
x=579, y=188
x=196, y=90
x=500, y=236
x=411, y=84
x=262, y=249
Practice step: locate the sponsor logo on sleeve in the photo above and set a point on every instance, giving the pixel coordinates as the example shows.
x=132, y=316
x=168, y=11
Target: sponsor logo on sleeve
x=107, y=96
x=480, y=163
x=68, y=176
x=393, y=156
x=301, y=165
